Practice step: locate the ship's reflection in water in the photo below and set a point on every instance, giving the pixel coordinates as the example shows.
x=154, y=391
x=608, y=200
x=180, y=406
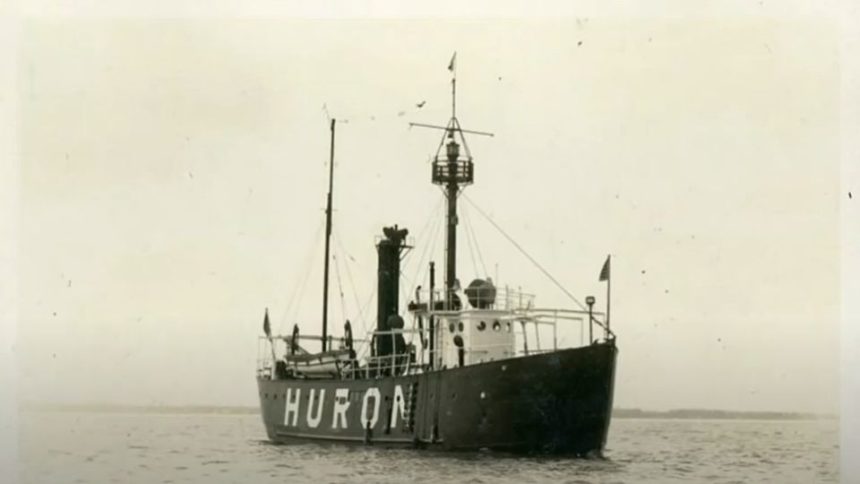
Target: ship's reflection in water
x=60, y=447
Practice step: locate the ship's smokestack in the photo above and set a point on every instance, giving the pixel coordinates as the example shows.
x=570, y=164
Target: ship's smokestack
x=388, y=286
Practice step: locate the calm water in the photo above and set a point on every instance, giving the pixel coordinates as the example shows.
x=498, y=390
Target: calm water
x=58, y=447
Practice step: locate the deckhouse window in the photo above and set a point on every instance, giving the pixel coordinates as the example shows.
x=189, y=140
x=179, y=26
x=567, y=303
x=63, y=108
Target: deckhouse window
x=497, y=326
x=482, y=326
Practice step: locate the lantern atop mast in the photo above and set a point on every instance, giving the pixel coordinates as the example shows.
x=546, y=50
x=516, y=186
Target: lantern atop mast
x=452, y=171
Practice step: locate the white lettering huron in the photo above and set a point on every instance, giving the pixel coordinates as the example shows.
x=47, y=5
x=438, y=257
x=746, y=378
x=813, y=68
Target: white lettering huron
x=341, y=403
x=314, y=422
x=371, y=392
x=291, y=406
x=399, y=405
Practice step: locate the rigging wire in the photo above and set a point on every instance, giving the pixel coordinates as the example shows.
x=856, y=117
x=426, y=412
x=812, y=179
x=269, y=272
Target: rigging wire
x=339, y=288
x=526, y=254
x=305, y=271
x=305, y=281
x=351, y=281
x=471, y=227
x=430, y=219
x=469, y=243
x=433, y=242
x=427, y=250
x=412, y=284
x=436, y=237
x=361, y=313
x=404, y=293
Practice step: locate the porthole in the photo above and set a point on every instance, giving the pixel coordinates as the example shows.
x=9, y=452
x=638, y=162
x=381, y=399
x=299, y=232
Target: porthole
x=451, y=326
x=482, y=326
x=497, y=326
x=508, y=326
x=460, y=326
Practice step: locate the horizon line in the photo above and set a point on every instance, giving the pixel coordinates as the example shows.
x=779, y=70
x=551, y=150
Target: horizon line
x=618, y=412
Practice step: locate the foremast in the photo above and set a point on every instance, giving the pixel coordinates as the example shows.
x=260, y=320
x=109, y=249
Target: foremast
x=324, y=336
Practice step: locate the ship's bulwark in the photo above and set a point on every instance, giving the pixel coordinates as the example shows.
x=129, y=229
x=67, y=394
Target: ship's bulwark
x=557, y=402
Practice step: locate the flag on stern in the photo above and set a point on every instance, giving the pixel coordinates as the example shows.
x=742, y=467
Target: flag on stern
x=604, y=273
x=267, y=328
x=451, y=64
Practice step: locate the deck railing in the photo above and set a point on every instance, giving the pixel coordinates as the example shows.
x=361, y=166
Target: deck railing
x=417, y=357
x=504, y=298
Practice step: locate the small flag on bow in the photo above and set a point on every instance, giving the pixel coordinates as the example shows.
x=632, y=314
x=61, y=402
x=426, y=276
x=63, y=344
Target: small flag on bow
x=604, y=273
x=451, y=64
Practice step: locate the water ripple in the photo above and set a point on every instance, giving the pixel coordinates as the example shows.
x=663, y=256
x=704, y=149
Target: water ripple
x=146, y=448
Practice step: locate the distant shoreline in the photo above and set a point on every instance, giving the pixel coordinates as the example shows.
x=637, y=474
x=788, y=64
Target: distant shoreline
x=706, y=414
x=622, y=413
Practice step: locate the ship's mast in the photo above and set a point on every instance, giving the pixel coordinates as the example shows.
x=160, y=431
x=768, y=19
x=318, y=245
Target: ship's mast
x=452, y=173
x=452, y=187
x=327, y=240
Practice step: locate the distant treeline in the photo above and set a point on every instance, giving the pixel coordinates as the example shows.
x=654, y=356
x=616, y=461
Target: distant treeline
x=234, y=410
x=109, y=408
x=716, y=414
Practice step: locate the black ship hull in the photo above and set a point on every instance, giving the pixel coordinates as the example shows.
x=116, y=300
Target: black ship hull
x=558, y=402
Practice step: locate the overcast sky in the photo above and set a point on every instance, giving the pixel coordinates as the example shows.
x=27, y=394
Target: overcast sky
x=173, y=181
